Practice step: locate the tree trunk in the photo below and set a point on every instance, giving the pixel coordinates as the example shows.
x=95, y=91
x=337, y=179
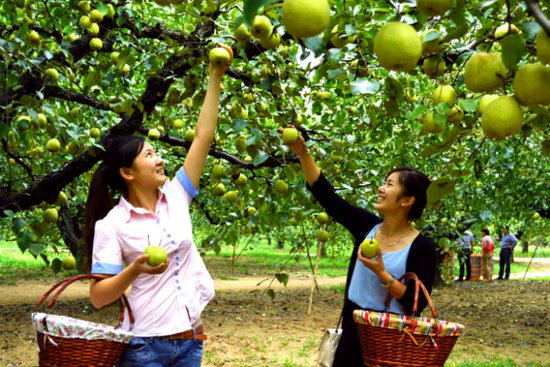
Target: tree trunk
x=525, y=247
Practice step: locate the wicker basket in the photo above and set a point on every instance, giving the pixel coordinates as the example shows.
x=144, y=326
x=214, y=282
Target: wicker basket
x=59, y=346
x=405, y=341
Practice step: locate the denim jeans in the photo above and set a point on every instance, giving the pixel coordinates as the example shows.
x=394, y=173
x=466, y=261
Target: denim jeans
x=162, y=352
x=465, y=261
x=505, y=261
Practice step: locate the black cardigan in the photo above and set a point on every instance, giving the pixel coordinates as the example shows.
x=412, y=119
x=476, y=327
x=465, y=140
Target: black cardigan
x=359, y=222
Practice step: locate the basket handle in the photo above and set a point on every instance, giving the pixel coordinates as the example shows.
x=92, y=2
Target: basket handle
x=418, y=284
x=68, y=281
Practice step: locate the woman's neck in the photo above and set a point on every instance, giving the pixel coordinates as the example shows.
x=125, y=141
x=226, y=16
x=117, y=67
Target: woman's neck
x=395, y=226
x=140, y=198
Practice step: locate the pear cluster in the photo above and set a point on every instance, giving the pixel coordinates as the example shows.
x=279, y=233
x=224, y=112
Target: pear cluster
x=262, y=30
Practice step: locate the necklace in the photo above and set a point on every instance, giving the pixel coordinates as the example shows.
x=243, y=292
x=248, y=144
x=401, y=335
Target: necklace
x=396, y=242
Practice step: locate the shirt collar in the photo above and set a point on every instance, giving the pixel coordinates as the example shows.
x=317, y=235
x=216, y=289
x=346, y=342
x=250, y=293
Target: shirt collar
x=127, y=208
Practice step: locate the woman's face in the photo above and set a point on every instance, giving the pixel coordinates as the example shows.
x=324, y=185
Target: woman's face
x=148, y=168
x=388, y=195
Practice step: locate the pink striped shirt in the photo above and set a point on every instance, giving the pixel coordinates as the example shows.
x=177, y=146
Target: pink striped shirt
x=166, y=303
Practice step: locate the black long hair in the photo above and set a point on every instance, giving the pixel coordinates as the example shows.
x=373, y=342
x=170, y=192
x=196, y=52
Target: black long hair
x=414, y=183
x=106, y=180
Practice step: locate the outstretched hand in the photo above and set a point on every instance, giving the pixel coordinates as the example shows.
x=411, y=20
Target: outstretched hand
x=141, y=265
x=300, y=147
x=222, y=70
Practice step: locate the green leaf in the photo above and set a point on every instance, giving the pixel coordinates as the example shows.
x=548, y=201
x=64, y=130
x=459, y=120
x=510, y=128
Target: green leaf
x=120, y=21
x=282, y=278
x=9, y=213
x=429, y=151
x=533, y=28
x=24, y=240
x=103, y=8
x=18, y=225
x=431, y=36
x=267, y=82
x=36, y=249
x=251, y=8
x=217, y=249
x=335, y=73
x=419, y=110
x=486, y=215
x=239, y=124
x=271, y=293
x=56, y=265
x=439, y=188
x=468, y=105
x=364, y=86
x=260, y=158
x=315, y=44
x=122, y=58
x=513, y=50
x=4, y=129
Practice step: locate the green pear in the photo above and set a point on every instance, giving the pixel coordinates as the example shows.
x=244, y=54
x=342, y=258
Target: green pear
x=536, y=216
x=290, y=136
x=505, y=30
x=157, y=255
x=322, y=218
x=93, y=30
x=397, y=47
x=53, y=145
x=241, y=180
x=340, y=40
x=114, y=57
x=430, y=126
x=247, y=230
x=177, y=124
x=242, y=34
x=96, y=44
x=306, y=18
x=433, y=8
x=240, y=143
x=69, y=263
x=124, y=71
x=271, y=42
x=542, y=44
x=52, y=75
x=95, y=132
x=369, y=248
x=322, y=236
x=62, y=199
x=455, y=115
x=219, y=57
x=85, y=22
x=96, y=16
x=153, y=134
x=281, y=186
x=189, y=135
x=502, y=118
x=433, y=66
x=50, y=215
x=444, y=93
x=261, y=27
x=433, y=46
x=251, y=211
x=219, y=189
x=42, y=120
x=84, y=7
x=231, y=196
x=484, y=101
x=484, y=72
x=75, y=112
x=545, y=145
x=34, y=38
x=218, y=171
x=531, y=84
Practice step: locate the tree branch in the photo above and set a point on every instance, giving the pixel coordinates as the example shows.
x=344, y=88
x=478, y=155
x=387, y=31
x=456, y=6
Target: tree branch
x=58, y=92
x=536, y=12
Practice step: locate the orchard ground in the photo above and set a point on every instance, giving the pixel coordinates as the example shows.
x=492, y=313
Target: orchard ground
x=507, y=323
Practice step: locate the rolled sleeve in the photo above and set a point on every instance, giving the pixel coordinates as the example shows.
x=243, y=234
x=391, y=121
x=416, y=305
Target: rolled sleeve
x=107, y=254
x=185, y=181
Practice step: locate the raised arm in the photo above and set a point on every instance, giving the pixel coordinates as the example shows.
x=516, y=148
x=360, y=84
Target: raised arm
x=206, y=124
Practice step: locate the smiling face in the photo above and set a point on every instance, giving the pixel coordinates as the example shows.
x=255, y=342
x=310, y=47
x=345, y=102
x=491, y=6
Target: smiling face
x=389, y=200
x=147, y=170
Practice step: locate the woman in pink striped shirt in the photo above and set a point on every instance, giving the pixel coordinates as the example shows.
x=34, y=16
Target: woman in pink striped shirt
x=166, y=299
x=487, y=247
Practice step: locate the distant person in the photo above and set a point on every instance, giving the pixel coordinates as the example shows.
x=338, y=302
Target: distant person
x=465, y=252
x=487, y=247
x=507, y=244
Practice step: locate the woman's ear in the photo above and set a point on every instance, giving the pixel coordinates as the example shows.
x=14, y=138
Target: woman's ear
x=126, y=174
x=408, y=202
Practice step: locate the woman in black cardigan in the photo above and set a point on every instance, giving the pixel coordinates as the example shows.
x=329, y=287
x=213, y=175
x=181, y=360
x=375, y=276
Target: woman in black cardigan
x=401, y=198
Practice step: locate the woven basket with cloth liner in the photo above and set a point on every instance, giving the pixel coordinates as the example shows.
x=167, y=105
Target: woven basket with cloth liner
x=65, y=341
x=405, y=341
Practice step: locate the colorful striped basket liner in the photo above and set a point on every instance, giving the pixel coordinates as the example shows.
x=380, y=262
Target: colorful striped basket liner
x=405, y=341
x=67, y=342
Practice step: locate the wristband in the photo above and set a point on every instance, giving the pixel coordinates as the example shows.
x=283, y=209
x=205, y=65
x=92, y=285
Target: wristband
x=388, y=284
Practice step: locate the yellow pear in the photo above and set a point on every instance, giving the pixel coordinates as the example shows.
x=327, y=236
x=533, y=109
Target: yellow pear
x=434, y=7
x=434, y=66
x=542, y=43
x=219, y=57
x=340, y=40
x=96, y=44
x=430, y=126
x=242, y=34
x=261, y=27
x=502, y=118
x=96, y=16
x=455, y=115
x=271, y=42
x=484, y=72
x=505, y=30
x=444, y=93
x=397, y=47
x=484, y=101
x=432, y=46
x=306, y=18
x=531, y=85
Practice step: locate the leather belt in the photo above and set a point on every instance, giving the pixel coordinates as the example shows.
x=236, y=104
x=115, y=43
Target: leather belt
x=188, y=334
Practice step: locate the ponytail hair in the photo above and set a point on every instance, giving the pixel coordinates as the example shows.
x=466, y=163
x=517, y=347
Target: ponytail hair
x=107, y=180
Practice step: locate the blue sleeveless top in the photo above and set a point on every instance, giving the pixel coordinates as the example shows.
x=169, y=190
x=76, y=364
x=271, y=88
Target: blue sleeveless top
x=366, y=290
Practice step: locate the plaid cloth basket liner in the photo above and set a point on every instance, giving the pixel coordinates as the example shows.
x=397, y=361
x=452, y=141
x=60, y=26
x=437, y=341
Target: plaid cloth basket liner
x=420, y=325
x=68, y=327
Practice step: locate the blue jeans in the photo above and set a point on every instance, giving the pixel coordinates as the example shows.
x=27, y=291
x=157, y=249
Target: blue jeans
x=162, y=352
x=505, y=261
